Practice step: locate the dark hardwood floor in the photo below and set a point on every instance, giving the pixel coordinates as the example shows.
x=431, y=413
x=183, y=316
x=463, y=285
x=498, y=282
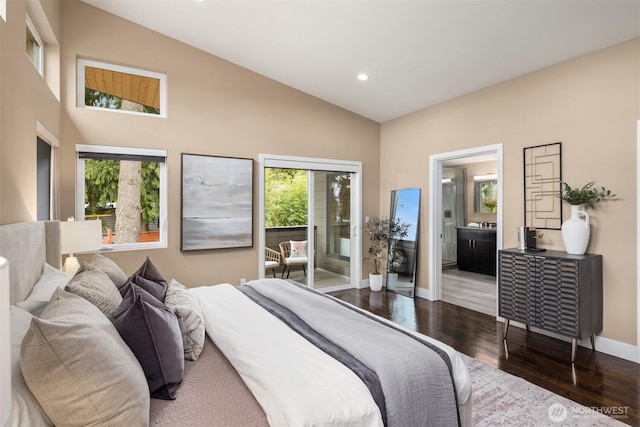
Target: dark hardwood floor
x=597, y=380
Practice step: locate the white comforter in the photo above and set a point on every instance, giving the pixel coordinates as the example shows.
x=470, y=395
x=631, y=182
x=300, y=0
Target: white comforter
x=295, y=383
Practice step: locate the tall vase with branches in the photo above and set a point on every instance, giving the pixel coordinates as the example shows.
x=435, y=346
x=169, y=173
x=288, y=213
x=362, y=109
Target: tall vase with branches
x=576, y=230
x=378, y=229
x=382, y=232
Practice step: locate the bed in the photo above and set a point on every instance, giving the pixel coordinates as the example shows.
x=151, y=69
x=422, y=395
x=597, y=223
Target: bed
x=254, y=368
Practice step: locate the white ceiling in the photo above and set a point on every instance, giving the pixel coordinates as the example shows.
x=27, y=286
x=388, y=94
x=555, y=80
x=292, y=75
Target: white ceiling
x=416, y=53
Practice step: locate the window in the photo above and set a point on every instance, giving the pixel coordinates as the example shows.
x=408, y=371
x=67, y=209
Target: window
x=118, y=88
x=134, y=216
x=35, y=47
x=485, y=196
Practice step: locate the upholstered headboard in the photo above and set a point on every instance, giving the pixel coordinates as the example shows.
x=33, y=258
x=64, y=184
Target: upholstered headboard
x=27, y=246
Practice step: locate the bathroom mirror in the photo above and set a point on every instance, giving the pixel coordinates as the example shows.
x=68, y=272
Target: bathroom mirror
x=403, y=252
x=485, y=195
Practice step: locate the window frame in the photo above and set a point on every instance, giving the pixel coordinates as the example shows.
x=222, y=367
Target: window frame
x=33, y=33
x=81, y=63
x=164, y=191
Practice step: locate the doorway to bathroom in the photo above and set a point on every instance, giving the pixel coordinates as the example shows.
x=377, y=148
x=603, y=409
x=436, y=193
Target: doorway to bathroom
x=465, y=223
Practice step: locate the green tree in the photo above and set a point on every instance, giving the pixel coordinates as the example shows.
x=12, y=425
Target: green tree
x=101, y=185
x=95, y=98
x=101, y=189
x=285, y=197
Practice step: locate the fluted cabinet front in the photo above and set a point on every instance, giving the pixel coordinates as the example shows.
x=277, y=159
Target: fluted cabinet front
x=552, y=290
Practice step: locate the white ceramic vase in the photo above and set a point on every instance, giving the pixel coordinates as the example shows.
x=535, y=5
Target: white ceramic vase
x=576, y=232
x=375, y=282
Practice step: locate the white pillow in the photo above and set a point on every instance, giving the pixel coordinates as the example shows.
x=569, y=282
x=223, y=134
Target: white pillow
x=298, y=248
x=50, y=280
x=189, y=314
x=25, y=409
x=80, y=370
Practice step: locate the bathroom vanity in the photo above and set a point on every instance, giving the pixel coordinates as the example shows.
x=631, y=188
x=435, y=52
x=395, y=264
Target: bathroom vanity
x=476, y=249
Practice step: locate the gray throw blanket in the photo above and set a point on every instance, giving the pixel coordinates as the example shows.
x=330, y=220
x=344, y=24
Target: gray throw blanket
x=414, y=375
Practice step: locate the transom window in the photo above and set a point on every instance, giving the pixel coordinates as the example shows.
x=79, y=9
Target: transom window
x=119, y=88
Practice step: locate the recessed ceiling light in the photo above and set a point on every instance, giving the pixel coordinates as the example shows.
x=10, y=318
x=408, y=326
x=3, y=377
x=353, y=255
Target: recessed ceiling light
x=363, y=77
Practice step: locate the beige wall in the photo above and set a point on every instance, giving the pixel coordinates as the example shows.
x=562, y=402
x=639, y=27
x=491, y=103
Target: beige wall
x=215, y=108
x=591, y=105
x=25, y=100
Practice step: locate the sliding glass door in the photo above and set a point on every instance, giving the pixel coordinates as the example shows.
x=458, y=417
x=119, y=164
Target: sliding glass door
x=313, y=230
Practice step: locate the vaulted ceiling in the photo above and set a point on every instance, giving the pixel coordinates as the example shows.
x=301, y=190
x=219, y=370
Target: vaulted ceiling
x=415, y=53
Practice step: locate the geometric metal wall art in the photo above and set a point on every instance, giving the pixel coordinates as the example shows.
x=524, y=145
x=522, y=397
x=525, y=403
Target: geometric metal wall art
x=542, y=186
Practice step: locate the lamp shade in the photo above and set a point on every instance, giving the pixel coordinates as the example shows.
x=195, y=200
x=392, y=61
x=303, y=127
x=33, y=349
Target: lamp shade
x=5, y=343
x=80, y=236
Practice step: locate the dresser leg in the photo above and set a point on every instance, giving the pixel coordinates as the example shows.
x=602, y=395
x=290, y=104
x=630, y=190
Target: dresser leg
x=574, y=346
x=506, y=328
x=593, y=342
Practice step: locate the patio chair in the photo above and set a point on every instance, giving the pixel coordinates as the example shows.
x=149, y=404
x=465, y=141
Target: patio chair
x=290, y=260
x=271, y=260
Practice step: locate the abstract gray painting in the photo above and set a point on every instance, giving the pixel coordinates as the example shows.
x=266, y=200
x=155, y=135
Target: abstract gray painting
x=217, y=202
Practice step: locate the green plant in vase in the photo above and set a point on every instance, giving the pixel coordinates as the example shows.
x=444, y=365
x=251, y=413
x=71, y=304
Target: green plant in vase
x=576, y=230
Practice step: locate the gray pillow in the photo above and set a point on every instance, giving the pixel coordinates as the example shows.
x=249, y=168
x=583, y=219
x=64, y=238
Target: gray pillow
x=189, y=314
x=152, y=332
x=110, y=268
x=96, y=287
x=80, y=370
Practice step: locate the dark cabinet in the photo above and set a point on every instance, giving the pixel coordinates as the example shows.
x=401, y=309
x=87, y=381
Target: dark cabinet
x=476, y=250
x=553, y=291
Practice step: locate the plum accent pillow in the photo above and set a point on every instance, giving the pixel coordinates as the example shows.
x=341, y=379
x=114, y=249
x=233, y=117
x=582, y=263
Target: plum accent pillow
x=50, y=280
x=110, y=268
x=80, y=370
x=96, y=287
x=189, y=314
x=154, y=288
x=150, y=272
x=298, y=249
x=152, y=332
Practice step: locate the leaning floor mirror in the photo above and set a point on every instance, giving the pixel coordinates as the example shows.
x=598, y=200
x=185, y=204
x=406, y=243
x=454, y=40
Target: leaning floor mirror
x=403, y=250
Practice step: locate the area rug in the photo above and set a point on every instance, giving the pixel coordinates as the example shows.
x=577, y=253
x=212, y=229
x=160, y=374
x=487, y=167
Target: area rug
x=502, y=399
